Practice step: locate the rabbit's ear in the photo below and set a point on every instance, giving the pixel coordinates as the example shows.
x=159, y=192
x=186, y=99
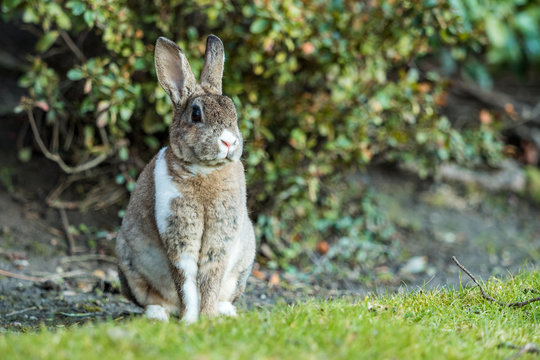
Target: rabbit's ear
x=173, y=71
x=214, y=58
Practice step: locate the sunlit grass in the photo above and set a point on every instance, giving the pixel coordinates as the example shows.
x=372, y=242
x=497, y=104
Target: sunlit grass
x=423, y=324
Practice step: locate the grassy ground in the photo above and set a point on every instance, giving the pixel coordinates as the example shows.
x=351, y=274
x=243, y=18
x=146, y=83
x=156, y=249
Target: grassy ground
x=423, y=324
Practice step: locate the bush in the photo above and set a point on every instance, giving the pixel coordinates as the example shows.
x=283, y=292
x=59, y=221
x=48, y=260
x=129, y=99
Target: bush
x=505, y=35
x=320, y=86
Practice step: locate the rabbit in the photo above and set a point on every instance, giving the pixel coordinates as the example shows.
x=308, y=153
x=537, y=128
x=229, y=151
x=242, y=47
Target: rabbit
x=186, y=245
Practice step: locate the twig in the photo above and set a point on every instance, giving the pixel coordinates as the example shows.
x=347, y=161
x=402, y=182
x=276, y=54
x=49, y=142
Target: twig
x=72, y=46
x=497, y=99
x=518, y=304
x=56, y=158
x=20, y=311
x=69, y=235
x=75, y=314
x=69, y=274
x=89, y=257
x=20, y=276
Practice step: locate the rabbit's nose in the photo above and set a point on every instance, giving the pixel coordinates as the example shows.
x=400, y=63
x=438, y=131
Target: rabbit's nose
x=228, y=139
x=227, y=143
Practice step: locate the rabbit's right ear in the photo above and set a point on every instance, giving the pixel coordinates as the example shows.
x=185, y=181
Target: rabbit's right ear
x=173, y=71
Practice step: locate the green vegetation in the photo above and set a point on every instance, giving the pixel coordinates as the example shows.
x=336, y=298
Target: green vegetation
x=320, y=86
x=424, y=324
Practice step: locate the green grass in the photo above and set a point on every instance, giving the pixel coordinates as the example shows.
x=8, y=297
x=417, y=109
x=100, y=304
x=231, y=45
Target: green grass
x=425, y=324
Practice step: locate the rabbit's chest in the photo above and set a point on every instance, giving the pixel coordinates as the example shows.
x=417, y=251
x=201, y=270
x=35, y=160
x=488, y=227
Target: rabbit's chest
x=214, y=200
x=166, y=193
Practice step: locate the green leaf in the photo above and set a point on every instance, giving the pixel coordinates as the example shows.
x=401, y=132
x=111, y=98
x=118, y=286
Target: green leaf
x=119, y=179
x=77, y=7
x=125, y=112
x=152, y=142
x=123, y=153
x=63, y=21
x=89, y=18
x=297, y=139
x=497, y=31
x=25, y=154
x=8, y=5
x=46, y=41
x=75, y=74
x=30, y=16
x=258, y=26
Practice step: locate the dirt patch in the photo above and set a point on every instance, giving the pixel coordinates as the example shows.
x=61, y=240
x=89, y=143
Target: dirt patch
x=494, y=234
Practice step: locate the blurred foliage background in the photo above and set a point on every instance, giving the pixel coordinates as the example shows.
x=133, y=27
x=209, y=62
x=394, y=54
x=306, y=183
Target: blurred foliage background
x=321, y=87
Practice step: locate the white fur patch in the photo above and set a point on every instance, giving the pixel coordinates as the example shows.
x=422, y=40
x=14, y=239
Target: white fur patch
x=229, y=283
x=234, y=257
x=188, y=265
x=191, y=295
x=165, y=191
x=156, y=312
x=227, y=309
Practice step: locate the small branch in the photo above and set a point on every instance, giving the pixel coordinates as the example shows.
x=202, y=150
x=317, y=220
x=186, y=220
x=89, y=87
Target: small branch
x=69, y=274
x=20, y=276
x=499, y=100
x=69, y=235
x=50, y=277
x=56, y=158
x=489, y=298
x=20, y=311
x=89, y=257
x=78, y=53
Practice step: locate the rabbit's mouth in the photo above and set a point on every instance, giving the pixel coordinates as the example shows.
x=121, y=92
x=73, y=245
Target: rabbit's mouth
x=228, y=145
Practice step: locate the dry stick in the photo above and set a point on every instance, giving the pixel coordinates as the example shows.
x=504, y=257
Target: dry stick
x=72, y=46
x=89, y=257
x=486, y=296
x=20, y=276
x=497, y=99
x=20, y=311
x=56, y=158
x=69, y=235
x=69, y=274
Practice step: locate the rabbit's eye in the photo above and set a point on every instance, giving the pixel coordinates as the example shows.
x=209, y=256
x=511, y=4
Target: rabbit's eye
x=196, y=114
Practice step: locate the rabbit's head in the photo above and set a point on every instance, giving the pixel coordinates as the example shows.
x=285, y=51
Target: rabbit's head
x=204, y=130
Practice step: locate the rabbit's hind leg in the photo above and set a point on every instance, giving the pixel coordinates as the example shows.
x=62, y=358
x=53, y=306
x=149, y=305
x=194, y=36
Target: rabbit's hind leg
x=138, y=290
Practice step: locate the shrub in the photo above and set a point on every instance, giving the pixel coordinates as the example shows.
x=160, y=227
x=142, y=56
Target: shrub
x=321, y=87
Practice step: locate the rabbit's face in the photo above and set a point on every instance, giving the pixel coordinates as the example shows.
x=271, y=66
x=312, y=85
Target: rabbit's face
x=206, y=131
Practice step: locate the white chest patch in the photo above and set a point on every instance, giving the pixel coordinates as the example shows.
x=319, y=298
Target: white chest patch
x=165, y=191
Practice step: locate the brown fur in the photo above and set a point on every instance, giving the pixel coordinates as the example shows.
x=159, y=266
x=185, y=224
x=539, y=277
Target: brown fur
x=207, y=219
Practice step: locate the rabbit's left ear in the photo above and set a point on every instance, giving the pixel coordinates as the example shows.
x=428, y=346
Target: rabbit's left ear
x=212, y=71
x=173, y=71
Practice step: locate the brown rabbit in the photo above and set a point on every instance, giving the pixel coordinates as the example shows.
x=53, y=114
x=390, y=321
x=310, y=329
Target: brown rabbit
x=186, y=244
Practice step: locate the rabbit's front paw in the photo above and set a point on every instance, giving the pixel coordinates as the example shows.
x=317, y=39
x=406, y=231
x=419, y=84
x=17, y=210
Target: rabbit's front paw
x=190, y=317
x=227, y=309
x=156, y=312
